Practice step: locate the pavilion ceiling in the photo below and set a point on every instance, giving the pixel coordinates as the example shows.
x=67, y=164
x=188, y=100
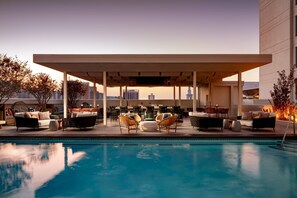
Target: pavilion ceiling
x=152, y=70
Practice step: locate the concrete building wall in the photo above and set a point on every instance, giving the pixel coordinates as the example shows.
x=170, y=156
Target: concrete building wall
x=276, y=39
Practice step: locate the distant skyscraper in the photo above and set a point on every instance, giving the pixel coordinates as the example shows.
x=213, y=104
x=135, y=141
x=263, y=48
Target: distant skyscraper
x=189, y=94
x=132, y=94
x=151, y=97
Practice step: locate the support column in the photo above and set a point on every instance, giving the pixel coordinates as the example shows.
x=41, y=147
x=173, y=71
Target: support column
x=121, y=95
x=126, y=95
x=239, y=103
x=104, y=99
x=179, y=95
x=174, y=95
x=199, y=98
x=94, y=97
x=65, y=96
x=209, y=94
x=194, y=90
x=231, y=112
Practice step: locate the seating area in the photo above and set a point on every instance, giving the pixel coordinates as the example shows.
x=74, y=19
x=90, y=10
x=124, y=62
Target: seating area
x=146, y=112
x=80, y=118
x=147, y=119
x=33, y=120
x=165, y=121
x=202, y=121
x=258, y=119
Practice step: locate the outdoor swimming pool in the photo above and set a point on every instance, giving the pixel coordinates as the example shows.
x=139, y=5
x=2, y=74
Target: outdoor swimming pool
x=147, y=168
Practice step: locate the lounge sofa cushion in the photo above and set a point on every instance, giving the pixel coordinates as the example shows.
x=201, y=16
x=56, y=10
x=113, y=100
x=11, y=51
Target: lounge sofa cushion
x=248, y=123
x=85, y=114
x=198, y=114
x=43, y=123
x=19, y=114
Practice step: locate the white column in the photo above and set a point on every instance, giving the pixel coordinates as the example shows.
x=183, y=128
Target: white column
x=121, y=95
x=179, y=95
x=199, y=97
x=104, y=99
x=65, y=96
x=231, y=112
x=126, y=95
x=194, y=90
x=174, y=95
x=239, y=103
x=209, y=94
x=94, y=97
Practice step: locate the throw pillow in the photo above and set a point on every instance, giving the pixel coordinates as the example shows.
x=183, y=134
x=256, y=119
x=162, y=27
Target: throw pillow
x=166, y=115
x=27, y=115
x=34, y=114
x=264, y=115
x=256, y=114
x=247, y=116
x=131, y=116
x=44, y=115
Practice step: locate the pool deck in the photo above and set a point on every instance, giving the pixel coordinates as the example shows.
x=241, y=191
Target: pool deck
x=112, y=131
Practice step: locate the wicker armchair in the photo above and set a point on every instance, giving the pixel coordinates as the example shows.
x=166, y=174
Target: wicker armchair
x=128, y=122
x=168, y=123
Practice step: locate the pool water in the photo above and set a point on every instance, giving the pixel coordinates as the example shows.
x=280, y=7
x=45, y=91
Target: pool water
x=146, y=169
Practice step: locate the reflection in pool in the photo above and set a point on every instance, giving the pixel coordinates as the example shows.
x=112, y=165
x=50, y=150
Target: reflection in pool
x=24, y=168
x=75, y=169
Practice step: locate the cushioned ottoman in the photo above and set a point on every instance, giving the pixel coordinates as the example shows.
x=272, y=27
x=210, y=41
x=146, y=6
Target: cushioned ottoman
x=148, y=126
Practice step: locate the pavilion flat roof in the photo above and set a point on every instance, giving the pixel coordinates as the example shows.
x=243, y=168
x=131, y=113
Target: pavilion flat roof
x=143, y=69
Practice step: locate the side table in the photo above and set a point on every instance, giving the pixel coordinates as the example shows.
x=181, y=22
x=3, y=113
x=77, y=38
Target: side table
x=53, y=125
x=2, y=122
x=236, y=126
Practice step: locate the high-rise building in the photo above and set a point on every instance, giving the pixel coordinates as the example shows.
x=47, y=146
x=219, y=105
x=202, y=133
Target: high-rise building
x=151, y=97
x=189, y=94
x=132, y=94
x=278, y=36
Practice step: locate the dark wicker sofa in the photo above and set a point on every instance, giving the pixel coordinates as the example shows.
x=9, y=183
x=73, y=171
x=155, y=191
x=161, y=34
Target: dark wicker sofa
x=257, y=123
x=30, y=122
x=80, y=122
x=206, y=122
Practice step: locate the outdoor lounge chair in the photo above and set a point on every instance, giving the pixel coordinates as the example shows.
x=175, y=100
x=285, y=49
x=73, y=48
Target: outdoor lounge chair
x=128, y=122
x=168, y=123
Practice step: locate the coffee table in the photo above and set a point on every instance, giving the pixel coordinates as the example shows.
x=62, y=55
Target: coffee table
x=148, y=126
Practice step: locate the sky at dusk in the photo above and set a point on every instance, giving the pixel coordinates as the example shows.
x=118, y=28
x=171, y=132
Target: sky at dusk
x=129, y=27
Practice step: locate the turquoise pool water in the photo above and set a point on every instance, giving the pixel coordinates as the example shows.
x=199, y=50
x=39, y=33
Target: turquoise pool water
x=135, y=168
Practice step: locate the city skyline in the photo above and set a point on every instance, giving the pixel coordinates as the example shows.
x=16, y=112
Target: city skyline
x=114, y=27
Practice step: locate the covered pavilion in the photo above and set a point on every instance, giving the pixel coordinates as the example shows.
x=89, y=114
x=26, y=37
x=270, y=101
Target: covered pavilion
x=118, y=70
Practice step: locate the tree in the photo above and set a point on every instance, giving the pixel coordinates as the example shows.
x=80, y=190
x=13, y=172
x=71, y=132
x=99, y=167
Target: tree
x=281, y=92
x=42, y=87
x=76, y=89
x=13, y=73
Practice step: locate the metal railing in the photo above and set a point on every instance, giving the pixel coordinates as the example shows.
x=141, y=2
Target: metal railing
x=286, y=131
